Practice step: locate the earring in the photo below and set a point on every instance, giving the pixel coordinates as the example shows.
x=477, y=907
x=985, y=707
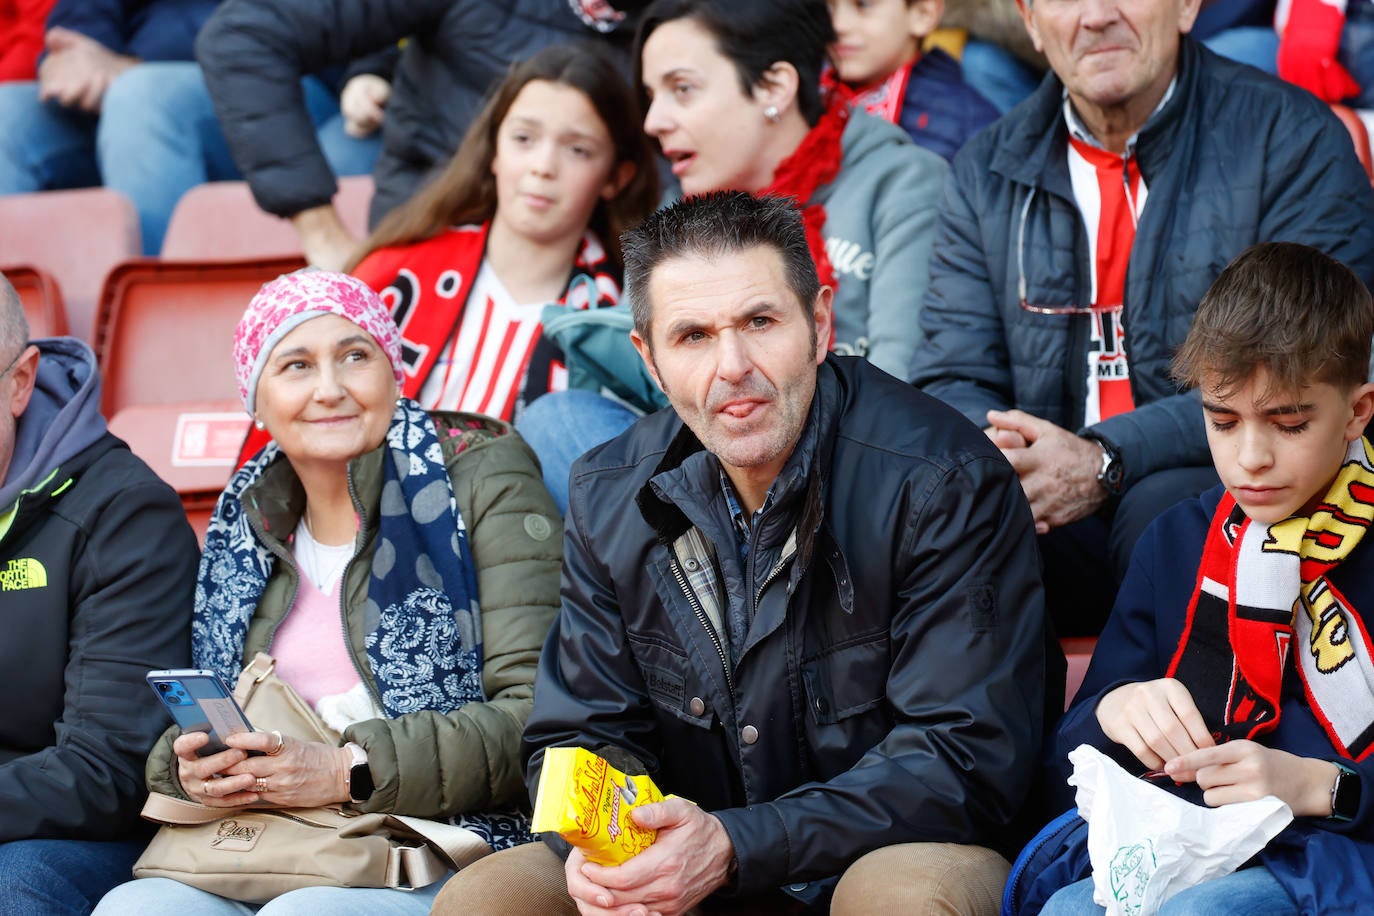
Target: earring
x=259, y=425
x=772, y=114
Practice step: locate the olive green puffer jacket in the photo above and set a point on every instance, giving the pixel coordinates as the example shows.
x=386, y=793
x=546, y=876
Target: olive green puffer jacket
x=425, y=763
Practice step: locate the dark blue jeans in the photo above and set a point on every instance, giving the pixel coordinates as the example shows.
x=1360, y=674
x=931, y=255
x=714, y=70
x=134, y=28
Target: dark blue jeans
x=61, y=877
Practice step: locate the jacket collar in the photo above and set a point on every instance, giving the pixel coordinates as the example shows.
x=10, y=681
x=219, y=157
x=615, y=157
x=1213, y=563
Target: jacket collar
x=1033, y=152
x=277, y=500
x=685, y=484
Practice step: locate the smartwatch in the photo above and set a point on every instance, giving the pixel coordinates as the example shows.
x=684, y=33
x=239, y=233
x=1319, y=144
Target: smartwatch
x=1345, y=794
x=359, y=786
x=1112, y=473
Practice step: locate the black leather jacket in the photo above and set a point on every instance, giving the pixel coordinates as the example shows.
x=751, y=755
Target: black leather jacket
x=890, y=686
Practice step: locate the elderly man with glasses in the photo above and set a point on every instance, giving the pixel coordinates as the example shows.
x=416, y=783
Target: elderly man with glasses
x=97, y=571
x=1078, y=235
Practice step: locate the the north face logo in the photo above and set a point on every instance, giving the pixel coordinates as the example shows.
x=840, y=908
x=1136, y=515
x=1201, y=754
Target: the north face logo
x=23, y=572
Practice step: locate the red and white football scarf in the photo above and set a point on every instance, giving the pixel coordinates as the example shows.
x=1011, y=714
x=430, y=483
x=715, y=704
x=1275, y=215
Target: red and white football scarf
x=1261, y=588
x=1118, y=190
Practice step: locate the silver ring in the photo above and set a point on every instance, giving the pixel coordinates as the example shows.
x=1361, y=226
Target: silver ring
x=260, y=784
x=205, y=787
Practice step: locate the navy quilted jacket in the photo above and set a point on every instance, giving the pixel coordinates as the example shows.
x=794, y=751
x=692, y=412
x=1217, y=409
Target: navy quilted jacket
x=1234, y=158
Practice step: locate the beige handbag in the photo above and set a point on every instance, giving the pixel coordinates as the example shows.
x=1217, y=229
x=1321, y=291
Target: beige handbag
x=256, y=854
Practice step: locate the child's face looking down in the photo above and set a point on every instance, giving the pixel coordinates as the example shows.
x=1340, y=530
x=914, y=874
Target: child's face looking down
x=875, y=37
x=1277, y=452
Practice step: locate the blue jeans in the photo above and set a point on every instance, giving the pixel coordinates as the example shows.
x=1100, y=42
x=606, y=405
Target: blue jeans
x=165, y=897
x=156, y=137
x=61, y=877
x=560, y=426
x=1252, y=891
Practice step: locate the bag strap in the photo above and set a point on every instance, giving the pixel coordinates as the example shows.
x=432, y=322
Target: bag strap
x=168, y=809
x=254, y=673
x=459, y=845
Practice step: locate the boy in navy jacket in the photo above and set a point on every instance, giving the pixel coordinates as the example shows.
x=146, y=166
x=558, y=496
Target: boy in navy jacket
x=1236, y=660
x=877, y=59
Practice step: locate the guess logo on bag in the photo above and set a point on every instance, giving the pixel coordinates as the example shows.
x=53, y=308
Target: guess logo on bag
x=237, y=836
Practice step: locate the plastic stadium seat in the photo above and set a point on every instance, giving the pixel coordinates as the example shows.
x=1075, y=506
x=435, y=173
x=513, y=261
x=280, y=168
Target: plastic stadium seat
x=1359, y=135
x=42, y=299
x=164, y=341
x=1078, y=651
x=221, y=220
x=76, y=236
x=165, y=329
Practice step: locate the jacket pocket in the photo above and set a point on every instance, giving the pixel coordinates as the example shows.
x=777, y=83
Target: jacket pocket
x=848, y=679
x=672, y=684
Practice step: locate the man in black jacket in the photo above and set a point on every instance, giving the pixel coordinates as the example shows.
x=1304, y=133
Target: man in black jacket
x=1078, y=235
x=805, y=600
x=97, y=572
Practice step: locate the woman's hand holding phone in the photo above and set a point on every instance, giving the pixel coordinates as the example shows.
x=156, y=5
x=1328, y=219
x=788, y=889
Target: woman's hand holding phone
x=205, y=780
x=300, y=774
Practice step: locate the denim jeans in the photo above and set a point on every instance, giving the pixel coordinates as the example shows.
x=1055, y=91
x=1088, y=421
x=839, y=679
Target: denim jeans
x=165, y=897
x=1252, y=891
x=156, y=137
x=61, y=877
x=561, y=425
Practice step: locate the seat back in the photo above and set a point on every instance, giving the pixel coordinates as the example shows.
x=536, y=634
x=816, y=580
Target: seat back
x=166, y=329
x=76, y=236
x=1078, y=652
x=165, y=347
x=41, y=298
x=220, y=219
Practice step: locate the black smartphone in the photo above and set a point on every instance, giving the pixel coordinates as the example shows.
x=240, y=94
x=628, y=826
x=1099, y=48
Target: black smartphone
x=198, y=701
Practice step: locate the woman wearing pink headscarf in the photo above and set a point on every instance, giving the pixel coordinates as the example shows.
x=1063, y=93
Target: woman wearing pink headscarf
x=401, y=566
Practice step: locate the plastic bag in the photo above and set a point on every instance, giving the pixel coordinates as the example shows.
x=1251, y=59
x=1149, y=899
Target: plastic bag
x=1147, y=845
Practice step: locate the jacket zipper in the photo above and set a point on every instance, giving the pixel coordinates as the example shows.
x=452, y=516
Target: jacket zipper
x=705, y=623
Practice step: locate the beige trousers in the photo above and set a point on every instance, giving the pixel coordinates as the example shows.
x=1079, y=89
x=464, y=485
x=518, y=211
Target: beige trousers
x=918, y=878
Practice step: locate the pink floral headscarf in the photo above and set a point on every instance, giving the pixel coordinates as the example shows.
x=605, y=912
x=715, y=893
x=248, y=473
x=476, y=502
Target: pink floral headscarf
x=291, y=299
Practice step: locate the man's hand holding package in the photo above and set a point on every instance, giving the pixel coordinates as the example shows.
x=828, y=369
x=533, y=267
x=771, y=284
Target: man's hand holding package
x=689, y=859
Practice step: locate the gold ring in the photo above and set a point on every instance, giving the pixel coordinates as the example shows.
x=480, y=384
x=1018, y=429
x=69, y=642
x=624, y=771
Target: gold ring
x=260, y=784
x=281, y=743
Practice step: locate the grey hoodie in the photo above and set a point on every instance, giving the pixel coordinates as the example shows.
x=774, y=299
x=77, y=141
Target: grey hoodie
x=62, y=419
x=879, y=225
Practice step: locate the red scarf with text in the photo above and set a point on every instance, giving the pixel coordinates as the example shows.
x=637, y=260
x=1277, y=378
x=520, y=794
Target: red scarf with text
x=1263, y=589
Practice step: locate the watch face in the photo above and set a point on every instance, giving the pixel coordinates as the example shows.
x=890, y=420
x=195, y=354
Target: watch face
x=360, y=786
x=1345, y=798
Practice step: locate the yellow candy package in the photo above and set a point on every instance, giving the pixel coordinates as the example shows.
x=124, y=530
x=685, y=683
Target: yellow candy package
x=588, y=802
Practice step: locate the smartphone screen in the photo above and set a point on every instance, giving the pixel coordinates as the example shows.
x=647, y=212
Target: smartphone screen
x=198, y=701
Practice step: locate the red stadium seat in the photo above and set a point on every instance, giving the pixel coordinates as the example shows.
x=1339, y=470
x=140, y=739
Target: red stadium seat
x=1078, y=651
x=164, y=343
x=76, y=236
x=42, y=300
x=221, y=220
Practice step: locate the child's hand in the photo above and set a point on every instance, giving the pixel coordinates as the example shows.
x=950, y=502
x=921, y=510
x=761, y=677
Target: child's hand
x=1155, y=720
x=1241, y=770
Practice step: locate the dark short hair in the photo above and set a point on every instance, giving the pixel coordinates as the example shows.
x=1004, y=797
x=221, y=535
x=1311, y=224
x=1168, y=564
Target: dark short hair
x=1298, y=313
x=755, y=35
x=713, y=224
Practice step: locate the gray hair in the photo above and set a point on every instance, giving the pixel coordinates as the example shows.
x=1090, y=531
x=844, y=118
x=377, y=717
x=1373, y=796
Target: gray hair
x=14, y=327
